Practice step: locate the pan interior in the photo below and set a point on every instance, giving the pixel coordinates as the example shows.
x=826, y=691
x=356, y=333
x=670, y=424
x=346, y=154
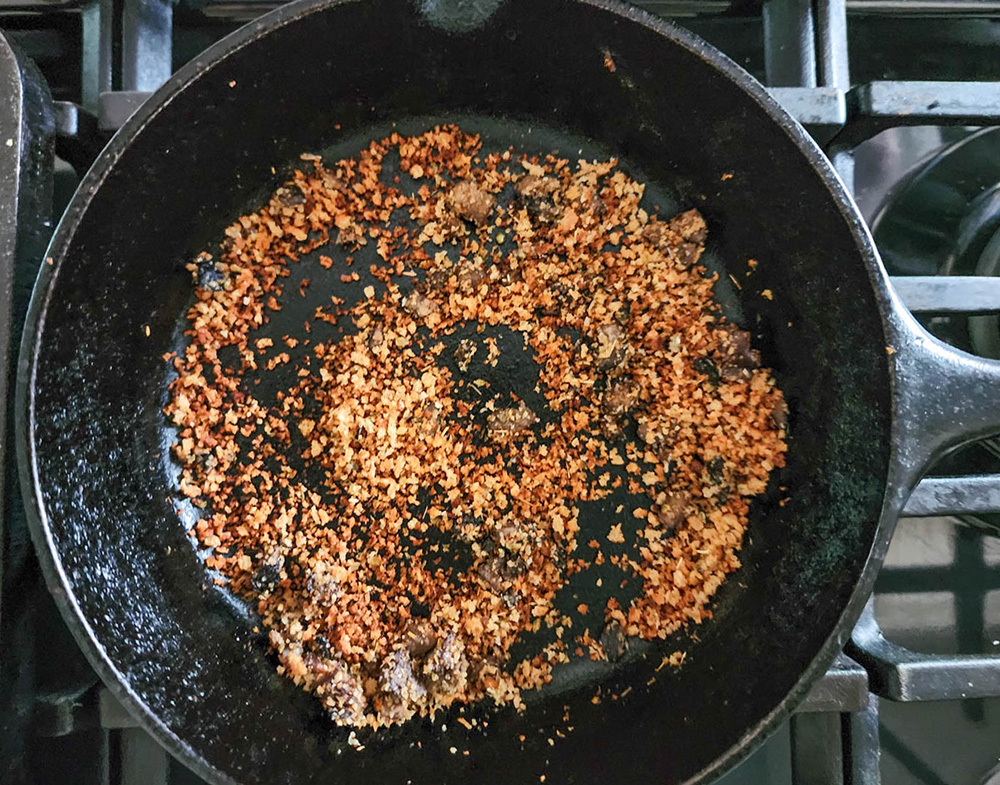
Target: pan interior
x=537, y=79
x=514, y=373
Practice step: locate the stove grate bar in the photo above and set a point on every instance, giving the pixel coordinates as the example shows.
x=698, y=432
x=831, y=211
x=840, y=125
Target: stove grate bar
x=949, y=294
x=902, y=675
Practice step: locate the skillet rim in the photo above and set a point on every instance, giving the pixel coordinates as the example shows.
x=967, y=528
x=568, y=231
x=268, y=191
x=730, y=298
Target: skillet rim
x=214, y=56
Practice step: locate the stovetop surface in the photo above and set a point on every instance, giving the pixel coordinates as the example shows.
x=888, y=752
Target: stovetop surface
x=939, y=593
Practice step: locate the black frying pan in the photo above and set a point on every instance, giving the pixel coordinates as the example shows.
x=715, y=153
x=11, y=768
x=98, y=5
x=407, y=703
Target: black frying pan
x=873, y=399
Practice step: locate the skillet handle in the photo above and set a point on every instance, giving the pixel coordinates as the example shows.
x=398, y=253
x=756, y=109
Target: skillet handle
x=944, y=398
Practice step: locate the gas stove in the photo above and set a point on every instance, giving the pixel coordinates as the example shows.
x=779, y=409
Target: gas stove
x=904, y=96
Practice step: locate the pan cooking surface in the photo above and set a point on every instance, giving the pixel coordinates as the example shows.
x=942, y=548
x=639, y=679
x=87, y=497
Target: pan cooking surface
x=101, y=493
x=514, y=373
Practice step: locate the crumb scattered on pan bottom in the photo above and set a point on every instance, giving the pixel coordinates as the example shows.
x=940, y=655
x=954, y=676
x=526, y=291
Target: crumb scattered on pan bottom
x=401, y=520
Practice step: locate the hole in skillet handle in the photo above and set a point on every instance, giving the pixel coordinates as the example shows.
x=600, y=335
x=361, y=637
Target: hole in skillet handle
x=944, y=398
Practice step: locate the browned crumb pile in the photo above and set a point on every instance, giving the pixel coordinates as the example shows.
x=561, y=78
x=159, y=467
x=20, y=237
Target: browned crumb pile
x=333, y=507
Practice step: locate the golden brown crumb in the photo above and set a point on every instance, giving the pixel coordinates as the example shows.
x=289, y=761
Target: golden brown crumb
x=337, y=507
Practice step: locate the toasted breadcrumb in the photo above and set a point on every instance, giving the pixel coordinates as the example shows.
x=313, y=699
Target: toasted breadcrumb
x=341, y=507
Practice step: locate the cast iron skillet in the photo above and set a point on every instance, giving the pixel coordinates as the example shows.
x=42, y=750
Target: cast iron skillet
x=873, y=399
